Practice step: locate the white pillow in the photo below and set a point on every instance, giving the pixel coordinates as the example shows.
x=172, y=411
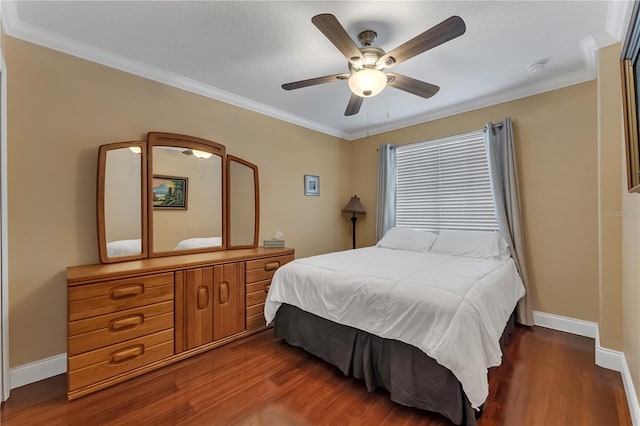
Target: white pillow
x=407, y=239
x=482, y=244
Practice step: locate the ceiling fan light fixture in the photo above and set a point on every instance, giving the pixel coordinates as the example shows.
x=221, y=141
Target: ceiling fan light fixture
x=367, y=82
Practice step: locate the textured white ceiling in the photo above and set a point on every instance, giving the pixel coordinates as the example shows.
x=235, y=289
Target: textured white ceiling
x=242, y=52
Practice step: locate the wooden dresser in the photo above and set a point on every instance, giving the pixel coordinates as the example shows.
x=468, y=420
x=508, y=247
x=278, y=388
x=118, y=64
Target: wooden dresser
x=126, y=319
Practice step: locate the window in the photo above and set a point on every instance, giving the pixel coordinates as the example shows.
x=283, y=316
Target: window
x=444, y=184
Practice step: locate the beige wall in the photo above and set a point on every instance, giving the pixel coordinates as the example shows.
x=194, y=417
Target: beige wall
x=62, y=108
x=610, y=151
x=556, y=150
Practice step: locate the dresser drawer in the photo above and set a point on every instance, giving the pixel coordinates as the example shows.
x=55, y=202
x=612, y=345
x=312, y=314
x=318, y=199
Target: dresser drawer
x=96, y=332
x=255, y=298
x=111, y=296
x=256, y=321
x=263, y=269
x=101, y=364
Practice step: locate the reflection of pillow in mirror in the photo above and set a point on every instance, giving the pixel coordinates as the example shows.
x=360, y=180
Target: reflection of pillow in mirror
x=193, y=243
x=124, y=248
x=407, y=239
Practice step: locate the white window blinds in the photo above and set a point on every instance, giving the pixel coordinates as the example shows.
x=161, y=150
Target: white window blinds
x=444, y=184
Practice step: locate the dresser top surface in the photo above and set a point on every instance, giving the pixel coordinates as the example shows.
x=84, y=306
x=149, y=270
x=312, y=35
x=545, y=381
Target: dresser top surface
x=89, y=273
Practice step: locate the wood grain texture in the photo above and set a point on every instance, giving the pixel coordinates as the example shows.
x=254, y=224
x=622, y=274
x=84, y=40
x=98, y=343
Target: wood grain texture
x=228, y=300
x=81, y=275
x=547, y=378
x=199, y=308
x=92, y=333
x=112, y=296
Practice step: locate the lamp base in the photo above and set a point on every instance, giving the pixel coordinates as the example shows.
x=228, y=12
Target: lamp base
x=353, y=220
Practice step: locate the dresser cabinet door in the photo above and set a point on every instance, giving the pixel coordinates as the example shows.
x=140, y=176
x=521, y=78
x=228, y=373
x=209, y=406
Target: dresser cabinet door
x=228, y=300
x=194, y=308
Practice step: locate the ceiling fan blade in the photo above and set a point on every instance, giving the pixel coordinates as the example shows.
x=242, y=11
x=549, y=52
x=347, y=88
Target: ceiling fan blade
x=335, y=32
x=314, y=81
x=413, y=86
x=353, y=107
x=446, y=30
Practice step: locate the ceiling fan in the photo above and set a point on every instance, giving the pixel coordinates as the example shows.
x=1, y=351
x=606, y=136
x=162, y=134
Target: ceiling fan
x=367, y=64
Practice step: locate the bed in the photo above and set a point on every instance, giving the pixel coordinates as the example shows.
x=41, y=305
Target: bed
x=419, y=314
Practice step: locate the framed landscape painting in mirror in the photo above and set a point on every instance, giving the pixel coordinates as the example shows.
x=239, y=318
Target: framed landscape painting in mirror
x=170, y=192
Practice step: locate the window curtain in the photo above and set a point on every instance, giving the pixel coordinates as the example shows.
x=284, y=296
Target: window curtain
x=504, y=185
x=386, y=207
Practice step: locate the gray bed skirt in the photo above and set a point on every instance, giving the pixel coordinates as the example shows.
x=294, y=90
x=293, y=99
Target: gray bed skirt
x=412, y=378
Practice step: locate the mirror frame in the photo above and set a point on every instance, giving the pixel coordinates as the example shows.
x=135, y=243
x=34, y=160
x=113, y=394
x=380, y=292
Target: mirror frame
x=256, y=185
x=102, y=167
x=187, y=142
x=146, y=190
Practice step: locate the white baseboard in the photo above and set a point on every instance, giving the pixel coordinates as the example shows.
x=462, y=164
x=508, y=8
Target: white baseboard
x=608, y=358
x=630, y=391
x=38, y=370
x=568, y=325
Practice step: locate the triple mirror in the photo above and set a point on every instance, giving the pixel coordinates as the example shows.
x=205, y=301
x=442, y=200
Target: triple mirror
x=174, y=194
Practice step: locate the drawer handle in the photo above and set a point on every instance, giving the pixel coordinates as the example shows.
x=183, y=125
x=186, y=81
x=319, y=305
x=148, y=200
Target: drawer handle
x=125, y=291
x=126, y=354
x=266, y=287
x=272, y=266
x=126, y=323
x=224, y=293
x=203, y=297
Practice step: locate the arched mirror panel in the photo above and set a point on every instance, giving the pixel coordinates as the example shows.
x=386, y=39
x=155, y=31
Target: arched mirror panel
x=121, y=201
x=243, y=203
x=186, y=195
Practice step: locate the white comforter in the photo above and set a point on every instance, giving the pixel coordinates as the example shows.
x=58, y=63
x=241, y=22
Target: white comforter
x=452, y=308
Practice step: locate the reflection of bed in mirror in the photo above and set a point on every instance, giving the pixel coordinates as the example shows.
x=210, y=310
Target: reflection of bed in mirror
x=124, y=247
x=193, y=243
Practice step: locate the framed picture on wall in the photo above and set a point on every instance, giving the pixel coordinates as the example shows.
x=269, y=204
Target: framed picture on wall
x=170, y=192
x=311, y=185
x=630, y=93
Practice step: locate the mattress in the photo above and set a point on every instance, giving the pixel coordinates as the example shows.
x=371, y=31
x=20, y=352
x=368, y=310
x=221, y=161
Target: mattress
x=453, y=308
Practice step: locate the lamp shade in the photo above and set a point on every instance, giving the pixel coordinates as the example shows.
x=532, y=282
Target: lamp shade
x=354, y=206
x=367, y=82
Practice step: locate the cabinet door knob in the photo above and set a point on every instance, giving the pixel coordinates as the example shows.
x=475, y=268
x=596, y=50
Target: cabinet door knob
x=224, y=293
x=203, y=297
x=126, y=354
x=271, y=266
x=129, y=290
x=126, y=322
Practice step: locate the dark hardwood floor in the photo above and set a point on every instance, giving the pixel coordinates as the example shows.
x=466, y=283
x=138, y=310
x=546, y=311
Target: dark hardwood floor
x=547, y=378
